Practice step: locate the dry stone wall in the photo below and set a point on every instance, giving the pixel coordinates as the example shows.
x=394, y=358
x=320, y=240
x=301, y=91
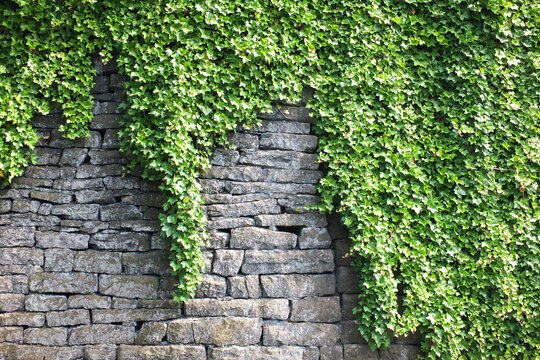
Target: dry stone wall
x=84, y=272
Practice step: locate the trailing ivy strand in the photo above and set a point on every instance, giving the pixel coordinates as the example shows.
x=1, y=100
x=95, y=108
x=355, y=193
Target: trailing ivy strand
x=428, y=117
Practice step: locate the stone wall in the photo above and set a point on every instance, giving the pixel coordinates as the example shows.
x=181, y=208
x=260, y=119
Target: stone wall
x=84, y=272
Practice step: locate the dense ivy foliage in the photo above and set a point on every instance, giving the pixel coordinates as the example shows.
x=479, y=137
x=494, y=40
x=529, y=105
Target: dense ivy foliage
x=429, y=124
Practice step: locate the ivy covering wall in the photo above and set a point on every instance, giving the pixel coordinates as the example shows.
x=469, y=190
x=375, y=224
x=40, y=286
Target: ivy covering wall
x=429, y=124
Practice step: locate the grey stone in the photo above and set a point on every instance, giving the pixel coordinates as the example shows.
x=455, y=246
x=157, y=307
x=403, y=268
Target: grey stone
x=314, y=238
x=121, y=241
x=287, y=261
x=104, y=262
x=229, y=223
x=121, y=183
x=45, y=209
x=256, y=353
x=295, y=286
x=350, y=333
x=94, y=171
x=216, y=240
x=77, y=211
x=100, y=352
x=211, y=186
x=125, y=315
x=343, y=256
x=128, y=286
x=152, y=262
x=73, y=157
x=151, y=334
x=25, y=205
x=11, y=302
x=355, y=351
x=227, y=262
x=232, y=199
x=211, y=286
x=16, y=236
x=102, y=122
x=101, y=84
x=222, y=157
x=268, y=206
x=37, y=302
x=5, y=206
x=59, y=260
x=400, y=352
x=244, y=287
x=107, y=107
x=47, y=156
x=21, y=256
x=6, y=284
x=348, y=303
x=49, y=337
x=11, y=335
x=317, y=309
x=279, y=159
x=29, y=183
x=38, y=352
x=146, y=198
x=169, y=352
x=42, y=172
x=91, y=141
x=53, y=239
x=28, y=220
x=50, y=121
x=120, y=212
x=95, y=196
x=289, y=127
x=22, y=319
x=269, y=188
x=77, y=283
x=311, y=353
x=117, y=81
x=101, y=334
x=105, y=157
x=218, y=331
x=347, y=280
x=243, y=141
x=83, y=184
x=303, y=334
x=317, y=220
x=257, y=238
x=136, y=225
x=89, y=302
x=332, y=352
x=275, y=309
x=281, y=141
x=111, y=140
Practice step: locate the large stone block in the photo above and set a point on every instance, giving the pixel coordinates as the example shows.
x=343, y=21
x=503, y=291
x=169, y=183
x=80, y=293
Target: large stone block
x=169, y=352
x=282, y=141
x=153, y=199
x=244, y=287
x=95, y=196
x=316, y=309
x=222, y=157
x=102, y=334
x=105, y=157
x=347, y=280
x=303, y=334
x=47, y=336
x=287, y=261
x=104, y=262
x=16, y=236
x=25, y=206
x=89, y=302
x=22, y=319
x=94, y=171
x=400, y=352
x=331, y=352
x=21, y=256
x=122, y=183
x=125, y=315
x=54, y=239
x=60, y=260
x=68, y=317
x=256, y=353
x=227, y=262
x=36, y=302
x=5, y=206
x=355, y=352
x=295, y=286
x=124, y=241
x=243, y=141
x=100, y=352
x=237, y=188
x=280, y=159
x=257, y=238
x=47, y=156
x=116, y=212
x=38, y=352
x=11, y=335
x=11, y=302
x=274, y=309
x=314, y=238
x=310, y=219
x=75, y=283
x=260, y=207
x=350, y=333
x=216, y=331
x=152, y=262
x=52, y=197
x=229, y=223
x=211, y=286
x=73, y=157
x=289, y=127
x=151, y=334
x=129, y=286
x=103, y=122
x=77, y=211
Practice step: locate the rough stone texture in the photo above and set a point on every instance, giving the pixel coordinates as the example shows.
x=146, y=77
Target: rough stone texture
x=85, y=274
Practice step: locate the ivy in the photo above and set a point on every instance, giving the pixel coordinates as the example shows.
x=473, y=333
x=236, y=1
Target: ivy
x=428, y=118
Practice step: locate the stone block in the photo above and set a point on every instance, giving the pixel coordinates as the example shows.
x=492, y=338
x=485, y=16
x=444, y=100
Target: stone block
x=303, y=334
x=126, y=315
x=121, y=241
x=350, y=333
x=400, y=352
x=283, y=141
x=38, y=352
x=232, y=199
x=68, y=317
x=151, y=262
x=47, y=156
x=279, y=159
x=116, y=212
x=217, y=331
x=111, y=140
x=355, y=352
x=6, y=284
x=257, y=238
x=47, y=336
x=36, y=302
x=5, y=206
x=273, y=309
x=151, y=334
x=22, y=319
x=95, y=171
x=295, y=286
x=11, y=335
x=29, y=183
x=128, y=286
x=222, y=157
x=310, y=219
x=77, y=283
x=42, y=172
x=100, y=352
x=106, y=157
x=229, y=223
x=260, y=207
x=121, y=183
x=95, y=196
x=347, y=280
x=316, y=309
x=101, y=334
x=343, y=258
x=89, y=302
x=102, y=122
x=11, y=302
x=153, y=199
x=59, y=260
x=25, y=205
x=236, y=188
x=288, y=127
x=16, y=236
x=77, y=211
x=287, y=261
x=57, y=141
x=83, y=184
x=169, y=352
x=227, y=262
x=244, y=287
x=104, y=262
x=243, y=141
x=211, y=286
x=314, y=238
x=21, y=256
x=73, y=157
x=331, y=352
x=54, y=239
x=216, y=240
x=256, y=353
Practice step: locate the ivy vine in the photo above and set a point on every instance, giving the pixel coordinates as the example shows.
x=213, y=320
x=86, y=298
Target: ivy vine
x=428, y=117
